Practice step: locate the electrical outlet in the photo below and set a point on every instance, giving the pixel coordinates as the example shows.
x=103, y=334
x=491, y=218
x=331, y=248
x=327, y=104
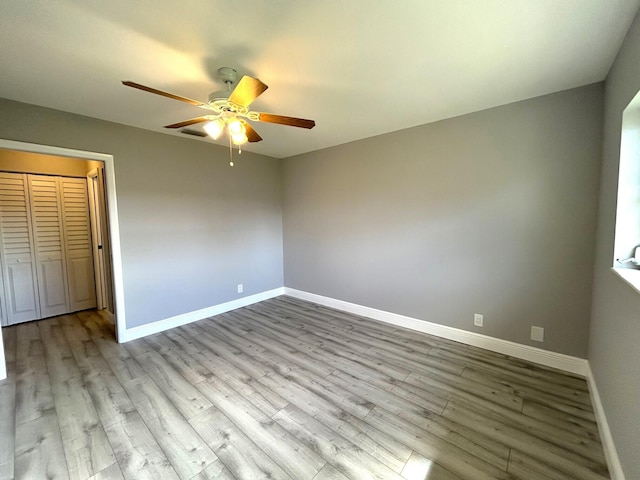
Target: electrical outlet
x=537, y=334
x=478, y=320
x=240, y=288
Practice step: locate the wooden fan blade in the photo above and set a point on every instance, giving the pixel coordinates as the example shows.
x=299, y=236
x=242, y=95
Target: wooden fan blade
x=282, y=120
x=186, y=123
x=247, y=90
x=252, y=135
x=165, y=94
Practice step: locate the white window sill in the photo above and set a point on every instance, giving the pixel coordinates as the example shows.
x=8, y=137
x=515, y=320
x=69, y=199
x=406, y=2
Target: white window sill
x=630, y=276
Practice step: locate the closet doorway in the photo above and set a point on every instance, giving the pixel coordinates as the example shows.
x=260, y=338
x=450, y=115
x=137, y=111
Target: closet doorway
x=55, y=254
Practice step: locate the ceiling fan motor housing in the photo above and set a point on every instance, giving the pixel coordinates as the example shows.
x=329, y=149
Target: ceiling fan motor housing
x=228, y=75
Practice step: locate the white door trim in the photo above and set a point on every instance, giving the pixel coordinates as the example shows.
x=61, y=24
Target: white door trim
x=97, y=236
x=112, y=207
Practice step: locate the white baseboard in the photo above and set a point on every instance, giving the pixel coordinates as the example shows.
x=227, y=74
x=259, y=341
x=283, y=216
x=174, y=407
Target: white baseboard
x=172, y=322
x=560, y=361
x=610, y=453
x=3, y=363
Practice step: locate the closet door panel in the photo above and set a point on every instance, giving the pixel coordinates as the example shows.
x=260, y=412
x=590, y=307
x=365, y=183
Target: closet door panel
x=17, y=250
x=46, y=217
x=79, y=253
x=22, y=295
x=53, y=294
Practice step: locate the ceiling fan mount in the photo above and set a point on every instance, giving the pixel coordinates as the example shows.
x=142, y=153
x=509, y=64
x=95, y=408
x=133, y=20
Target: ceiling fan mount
x=230, y=108
x=228, y=76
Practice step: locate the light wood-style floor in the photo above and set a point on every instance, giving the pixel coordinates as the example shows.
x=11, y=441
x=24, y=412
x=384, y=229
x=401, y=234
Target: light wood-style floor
x=284, y=389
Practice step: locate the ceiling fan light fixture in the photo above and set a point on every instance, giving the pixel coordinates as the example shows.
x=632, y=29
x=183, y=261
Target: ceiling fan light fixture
x=236, y=127
x=239, y=138
x=214, y=128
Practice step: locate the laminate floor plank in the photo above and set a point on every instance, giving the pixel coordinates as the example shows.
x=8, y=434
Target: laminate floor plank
x=339, y=409
x=327, y=317
x=421, y=468
x=463, y=461
x=336, y=332
x=416, y=361
x=565, y=421
x=121, y=362
x=316, y=384
x=552, y=434
x=185, y=449
x=112, y=472
x=253, y=390
x=109, y=397
x=79, y=338
x=39, y=451
x=139, y=454
x=184, y=395
x=370, y=330
x=217, y=343
x=385, y=448
x=327, y=355
x=524, y=467
x=292, y=331
x=572, y=464
x=86, y=447
x=284, y=389
x=10, y=342
x=297, y=460
x=237, y=452
x=459, y=387
x=291, y=356
x=509, y=368
x=33, y=395
x=148, y=344
x=8, y=405
x=26, y=337
x=310, y=380
x=329, y=472
x=185, y=342
x=578, y=398
x=186, y=365
x=346, y=457
x=215, y=471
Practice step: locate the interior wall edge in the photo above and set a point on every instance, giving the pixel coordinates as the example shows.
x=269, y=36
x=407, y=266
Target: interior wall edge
x=606, y=437
x=3, y=364
x=567, y=363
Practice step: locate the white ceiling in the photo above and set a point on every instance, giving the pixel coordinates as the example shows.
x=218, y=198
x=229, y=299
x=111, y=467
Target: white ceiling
x=359, y=68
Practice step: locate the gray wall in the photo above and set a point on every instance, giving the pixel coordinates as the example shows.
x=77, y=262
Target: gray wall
x=614, y=346
x=492, y=212
x=191, y=226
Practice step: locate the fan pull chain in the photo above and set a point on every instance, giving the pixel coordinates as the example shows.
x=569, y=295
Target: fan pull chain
x=230, y=153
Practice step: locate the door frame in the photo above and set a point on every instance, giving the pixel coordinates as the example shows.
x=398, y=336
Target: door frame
x=113, y=220
x=99, y=238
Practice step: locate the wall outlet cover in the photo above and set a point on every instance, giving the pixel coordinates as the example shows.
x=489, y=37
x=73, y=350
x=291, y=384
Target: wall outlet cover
x=240, y=288
x=537, y=334
x=478, y=320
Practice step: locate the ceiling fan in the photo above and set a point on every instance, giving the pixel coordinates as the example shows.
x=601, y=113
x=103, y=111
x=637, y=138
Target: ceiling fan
x=230, y=108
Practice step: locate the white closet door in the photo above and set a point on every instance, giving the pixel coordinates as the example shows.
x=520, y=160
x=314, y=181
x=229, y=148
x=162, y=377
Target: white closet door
x=17, y=250
x=46, y=217
x=75, y=202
